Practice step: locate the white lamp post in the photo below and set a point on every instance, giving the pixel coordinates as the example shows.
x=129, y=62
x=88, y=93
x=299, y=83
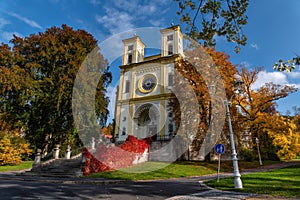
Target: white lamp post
x=259, y=157
x=237, y=176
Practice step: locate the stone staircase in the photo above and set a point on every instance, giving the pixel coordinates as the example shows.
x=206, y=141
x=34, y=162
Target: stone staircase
x=60, y=168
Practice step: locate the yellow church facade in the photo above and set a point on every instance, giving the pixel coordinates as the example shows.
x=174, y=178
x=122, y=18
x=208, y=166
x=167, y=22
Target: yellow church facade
x=145, y=88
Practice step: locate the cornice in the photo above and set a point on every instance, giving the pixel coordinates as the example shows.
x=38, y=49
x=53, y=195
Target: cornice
x=148, y=98
x=160, y=60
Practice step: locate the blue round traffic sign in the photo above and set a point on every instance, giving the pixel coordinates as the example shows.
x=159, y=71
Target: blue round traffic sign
x=219, y=148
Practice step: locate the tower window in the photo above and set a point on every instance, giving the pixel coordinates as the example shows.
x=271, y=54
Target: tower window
x=139, y=56
x=130, y=47
x=170, y=38
x=170, y=49
x=129, y=58
x=127, y=86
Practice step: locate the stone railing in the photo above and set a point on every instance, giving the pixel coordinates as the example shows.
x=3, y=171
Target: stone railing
x=54, y=155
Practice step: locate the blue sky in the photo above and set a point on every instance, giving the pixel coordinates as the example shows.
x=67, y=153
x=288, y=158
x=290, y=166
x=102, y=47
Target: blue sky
x=273, y=28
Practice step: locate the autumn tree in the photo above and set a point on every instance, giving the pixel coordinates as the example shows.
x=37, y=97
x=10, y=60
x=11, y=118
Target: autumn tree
x=284, y=135
x=108, y=130
x=258, y=109
x=203, y=67
x=206, y=19
x=13, y=146
x=48, y=64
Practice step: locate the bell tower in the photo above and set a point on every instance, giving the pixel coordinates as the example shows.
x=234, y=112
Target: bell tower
x=171, y=41
x=133, y=50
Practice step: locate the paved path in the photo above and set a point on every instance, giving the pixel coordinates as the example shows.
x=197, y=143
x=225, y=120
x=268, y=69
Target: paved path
x=22, y=187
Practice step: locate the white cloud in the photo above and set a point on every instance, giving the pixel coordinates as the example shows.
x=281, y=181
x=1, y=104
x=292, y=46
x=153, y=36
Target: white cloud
x=122, y=15
x=267, y=77
x=295, y=85
x=146, y=9
x=3, y=22
x=115, y=21
x=158, y=22
x=26, y=20
x=136, y=7
x=130, y=5
x=294, y=75
x=6, y=36
x=255, y=46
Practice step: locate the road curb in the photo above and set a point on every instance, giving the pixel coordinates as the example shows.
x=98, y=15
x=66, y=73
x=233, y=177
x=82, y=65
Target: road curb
x=85, y=181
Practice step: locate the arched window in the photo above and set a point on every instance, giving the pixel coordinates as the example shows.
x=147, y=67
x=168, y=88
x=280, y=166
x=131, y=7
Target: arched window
x=129, y=53
x=170, y=49
x=129, y=58
x=171, y=129
x=127, y=86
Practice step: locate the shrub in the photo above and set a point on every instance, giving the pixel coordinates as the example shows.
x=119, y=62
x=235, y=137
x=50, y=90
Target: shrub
x=247, y=154
x=107, y=158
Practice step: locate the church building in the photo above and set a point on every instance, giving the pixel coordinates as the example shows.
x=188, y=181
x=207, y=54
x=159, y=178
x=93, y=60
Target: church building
x=145, y=88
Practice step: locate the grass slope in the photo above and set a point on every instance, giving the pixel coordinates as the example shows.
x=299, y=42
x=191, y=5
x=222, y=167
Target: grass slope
x=279, y=182
x=22, y=166
x=172, y=170
x=164, y=171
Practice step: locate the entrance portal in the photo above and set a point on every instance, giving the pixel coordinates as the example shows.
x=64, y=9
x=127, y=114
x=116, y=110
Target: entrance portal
x=146, y=120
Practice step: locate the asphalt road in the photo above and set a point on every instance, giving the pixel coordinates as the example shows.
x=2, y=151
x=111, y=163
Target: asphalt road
x=16, y=189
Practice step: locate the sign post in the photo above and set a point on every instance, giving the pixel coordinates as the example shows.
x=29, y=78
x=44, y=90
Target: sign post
x=219, y=149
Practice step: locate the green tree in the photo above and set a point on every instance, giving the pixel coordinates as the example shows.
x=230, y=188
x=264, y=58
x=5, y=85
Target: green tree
x=206, y=19
x=14, y=85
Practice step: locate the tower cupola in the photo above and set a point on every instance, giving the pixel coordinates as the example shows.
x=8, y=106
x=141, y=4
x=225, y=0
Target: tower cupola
x=171, y=41
x=133, y=50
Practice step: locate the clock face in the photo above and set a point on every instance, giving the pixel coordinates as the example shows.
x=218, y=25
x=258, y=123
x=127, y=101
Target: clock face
x=147, y=83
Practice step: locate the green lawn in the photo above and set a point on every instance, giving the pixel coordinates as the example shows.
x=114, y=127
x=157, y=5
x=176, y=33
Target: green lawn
x=172, y=170
x=279, y=182
x=23, y=165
